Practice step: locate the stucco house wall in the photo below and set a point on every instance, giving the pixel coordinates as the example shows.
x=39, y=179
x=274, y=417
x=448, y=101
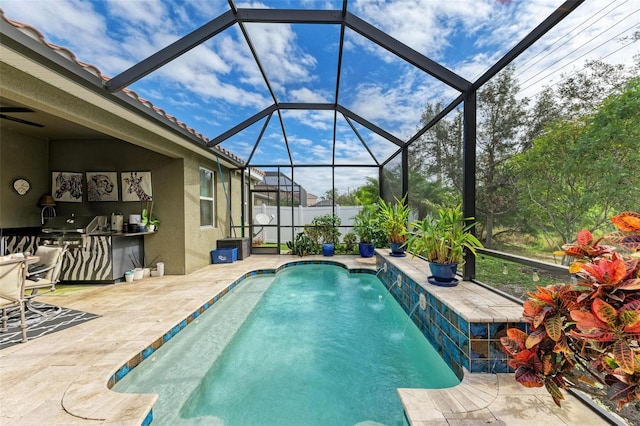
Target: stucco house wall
x=127, y=141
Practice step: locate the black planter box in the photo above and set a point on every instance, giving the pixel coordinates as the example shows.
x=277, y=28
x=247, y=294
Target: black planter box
x=242, y=244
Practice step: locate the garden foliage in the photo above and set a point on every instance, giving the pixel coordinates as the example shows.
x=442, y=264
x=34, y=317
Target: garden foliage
x=591, y=327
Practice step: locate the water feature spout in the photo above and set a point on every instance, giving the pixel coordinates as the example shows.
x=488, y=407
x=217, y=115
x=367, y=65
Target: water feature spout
x=422, y=304
x=383, y=268
x=410, y=315
x=397, y=282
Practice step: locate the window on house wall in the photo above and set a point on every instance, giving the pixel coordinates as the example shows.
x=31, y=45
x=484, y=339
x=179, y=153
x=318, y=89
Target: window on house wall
x=245, y=206
x=207, y=195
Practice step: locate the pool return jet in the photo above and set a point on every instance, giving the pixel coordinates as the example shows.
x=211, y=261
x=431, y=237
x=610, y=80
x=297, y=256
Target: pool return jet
x=397, y=282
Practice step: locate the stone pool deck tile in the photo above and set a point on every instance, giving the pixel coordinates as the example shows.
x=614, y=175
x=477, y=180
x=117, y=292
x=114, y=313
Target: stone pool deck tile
x=495, y=399
x=61, y=378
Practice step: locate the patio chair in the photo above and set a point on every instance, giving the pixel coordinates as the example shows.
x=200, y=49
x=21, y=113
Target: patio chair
x=44, y=275
x=12, y=280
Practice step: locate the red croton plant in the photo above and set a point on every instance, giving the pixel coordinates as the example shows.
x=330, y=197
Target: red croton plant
x=587, y=331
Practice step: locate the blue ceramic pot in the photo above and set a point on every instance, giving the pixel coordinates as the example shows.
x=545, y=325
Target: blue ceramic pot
x=327, y=249
x=397, y=249
x=366, y=249
x=444, y=272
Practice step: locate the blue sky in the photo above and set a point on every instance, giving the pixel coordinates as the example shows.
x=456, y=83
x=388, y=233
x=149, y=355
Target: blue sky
x=217, y=85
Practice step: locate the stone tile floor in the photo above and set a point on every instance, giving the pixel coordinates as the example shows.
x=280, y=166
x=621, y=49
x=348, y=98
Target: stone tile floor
x=60, y=379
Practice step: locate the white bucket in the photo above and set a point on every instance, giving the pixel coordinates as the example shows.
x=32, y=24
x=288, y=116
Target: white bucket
x=138, y=274
x=146, y=272
x=160, y=268
x=128, y=276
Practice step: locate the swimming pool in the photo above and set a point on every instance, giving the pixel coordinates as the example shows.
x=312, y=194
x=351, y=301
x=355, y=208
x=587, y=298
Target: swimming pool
x=313, y=345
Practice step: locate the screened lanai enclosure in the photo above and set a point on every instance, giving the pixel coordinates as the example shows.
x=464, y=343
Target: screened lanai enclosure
x=352, y=100
x=317, y=128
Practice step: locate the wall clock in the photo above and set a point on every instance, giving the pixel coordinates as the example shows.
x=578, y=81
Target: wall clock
x=21, y=186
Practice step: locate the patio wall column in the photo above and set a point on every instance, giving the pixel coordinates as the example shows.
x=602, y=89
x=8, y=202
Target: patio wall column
x=469, y=172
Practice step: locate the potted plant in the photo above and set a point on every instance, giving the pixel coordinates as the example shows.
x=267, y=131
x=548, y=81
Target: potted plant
x=327, y=228
x=442, y=240
x=394, y=219
x=153, y=224
x=148, y=222
x=365, y=225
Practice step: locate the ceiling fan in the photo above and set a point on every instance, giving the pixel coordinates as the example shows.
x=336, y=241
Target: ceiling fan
x=13, y=110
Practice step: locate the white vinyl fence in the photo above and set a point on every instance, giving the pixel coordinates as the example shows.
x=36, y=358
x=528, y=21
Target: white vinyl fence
x=301, y=216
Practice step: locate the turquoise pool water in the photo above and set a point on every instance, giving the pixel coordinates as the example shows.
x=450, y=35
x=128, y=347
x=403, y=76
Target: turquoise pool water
x=315, y=345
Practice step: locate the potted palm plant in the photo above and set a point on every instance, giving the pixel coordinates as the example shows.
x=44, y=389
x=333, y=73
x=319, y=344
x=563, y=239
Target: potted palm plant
x=394, y=218
x=442, y=240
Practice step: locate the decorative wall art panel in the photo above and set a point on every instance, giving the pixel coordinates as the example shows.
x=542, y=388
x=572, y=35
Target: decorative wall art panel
x=102, y=186
x=66, y=186
x=136, y=186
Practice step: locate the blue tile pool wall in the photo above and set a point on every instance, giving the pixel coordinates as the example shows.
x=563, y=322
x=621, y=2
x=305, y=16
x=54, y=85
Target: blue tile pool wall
x=474, y=346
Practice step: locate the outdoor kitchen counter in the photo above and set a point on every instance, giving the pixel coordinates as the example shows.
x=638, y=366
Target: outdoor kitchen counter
x=105, y=257
x=120, y=234
x=93, y=257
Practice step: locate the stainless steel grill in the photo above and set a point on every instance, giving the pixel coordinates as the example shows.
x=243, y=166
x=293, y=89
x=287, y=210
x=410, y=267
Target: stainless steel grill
x=68, y=231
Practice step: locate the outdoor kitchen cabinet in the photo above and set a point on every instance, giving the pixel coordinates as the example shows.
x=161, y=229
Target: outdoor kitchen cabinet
x=95, y=254
x=103, y=259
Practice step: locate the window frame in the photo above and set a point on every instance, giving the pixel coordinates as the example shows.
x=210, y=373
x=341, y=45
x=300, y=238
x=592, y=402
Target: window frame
x=211, y=199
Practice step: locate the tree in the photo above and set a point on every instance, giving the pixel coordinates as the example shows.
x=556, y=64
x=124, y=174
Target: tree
x=367, y=195
x=555, y=189
x=329, y=195
x=347, y=199
x=582, y=92
x=610, y=147
x=438, y=153
x=546, y=110
x=500, y=117
x=573, y=175
x=427, y=196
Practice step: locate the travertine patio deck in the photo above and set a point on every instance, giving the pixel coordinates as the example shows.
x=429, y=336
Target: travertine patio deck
x=60, y=379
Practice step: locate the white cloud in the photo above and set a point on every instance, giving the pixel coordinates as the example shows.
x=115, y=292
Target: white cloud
x=300, y=141
x=69, y=23
x=219, y=84
x=305, y=94
x=283, y=60
x=137, y=13
x=424, y=25
x=312, y=119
